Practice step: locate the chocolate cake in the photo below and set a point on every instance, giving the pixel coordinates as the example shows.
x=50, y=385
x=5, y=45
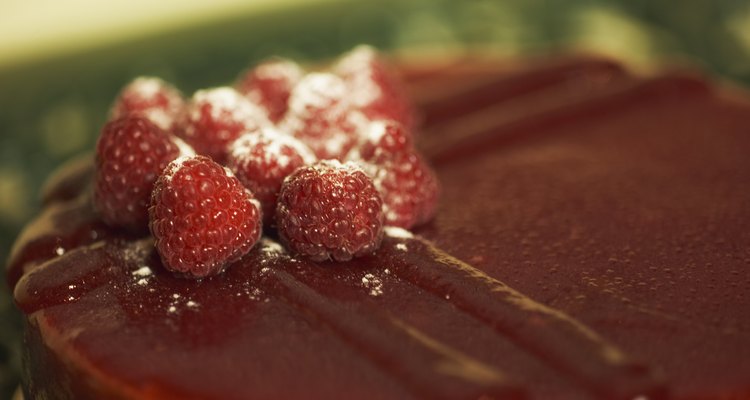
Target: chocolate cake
x=591, y=242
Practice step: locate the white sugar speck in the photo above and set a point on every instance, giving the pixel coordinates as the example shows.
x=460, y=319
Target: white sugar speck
x=270, y=247
x=396, y=232
x=172, y=309
x=71, y=298
x=59, y=251
x=143, y=271
x=191, y=303
x=71, y=287
x=142, y=281
x=402, y=246
x=176, y=296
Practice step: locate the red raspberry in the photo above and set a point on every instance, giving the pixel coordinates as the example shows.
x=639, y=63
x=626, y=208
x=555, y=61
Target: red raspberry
x=215, y=118
x=262, y=160
x=383, y=139
x=130, y=155
x=409, y=188
x=269, y=84
x=321, y=116
x=202, y=217
x=152, y=98
x=330, y=210
x=374, y=87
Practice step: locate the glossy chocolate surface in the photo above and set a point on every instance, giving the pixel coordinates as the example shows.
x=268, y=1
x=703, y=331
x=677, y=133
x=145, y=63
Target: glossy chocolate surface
x=592, y=242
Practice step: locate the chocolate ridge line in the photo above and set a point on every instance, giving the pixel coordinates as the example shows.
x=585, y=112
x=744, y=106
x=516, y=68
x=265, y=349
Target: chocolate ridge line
x=555, y=338
x=504, y=123
x=396, y=347
x=504, y=86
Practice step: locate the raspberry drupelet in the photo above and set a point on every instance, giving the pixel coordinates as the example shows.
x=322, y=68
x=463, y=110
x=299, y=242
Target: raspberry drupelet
x=130, y=154
x=152, y=98
x=330, y=210
x=214, y=118
x=262, y=160
x=202, y=218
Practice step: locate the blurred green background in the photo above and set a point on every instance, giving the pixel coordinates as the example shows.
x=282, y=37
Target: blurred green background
x=55, y=89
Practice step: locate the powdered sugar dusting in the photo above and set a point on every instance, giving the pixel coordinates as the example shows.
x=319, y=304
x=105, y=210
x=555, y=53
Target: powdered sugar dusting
x=320, y=115
x=160, y=117
x=314, y=92
x=274, y=145
x=396, y=232
x=351, y=67
x=337, y=142
x=142, y=275
x=173, y=167
x=226, y=103
x=152, y=98
x=353, y=61
x=146, y=86
x=143, y=271
x=180, y=302
x=270, y=247
x=375, y=131
x=185, y=149
x=136, y=252
x=279, y=69
x=373, y=284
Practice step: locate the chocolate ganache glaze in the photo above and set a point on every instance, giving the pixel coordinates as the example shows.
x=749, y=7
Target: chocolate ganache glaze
x=592, y=242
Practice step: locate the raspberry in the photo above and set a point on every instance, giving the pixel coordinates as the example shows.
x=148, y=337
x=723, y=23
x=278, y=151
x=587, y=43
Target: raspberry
x=374, y=87
x=382, y=140
x=407, y=184
x=321, y=116
x=215, y=118
x=151, y=98
x=269, y=84
x=262, y=160
x=409, y=188
x=202, y=217
x=130, y=154
x=330, y=210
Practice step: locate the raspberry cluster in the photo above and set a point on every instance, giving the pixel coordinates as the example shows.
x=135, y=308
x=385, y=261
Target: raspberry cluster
x=324, y=158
